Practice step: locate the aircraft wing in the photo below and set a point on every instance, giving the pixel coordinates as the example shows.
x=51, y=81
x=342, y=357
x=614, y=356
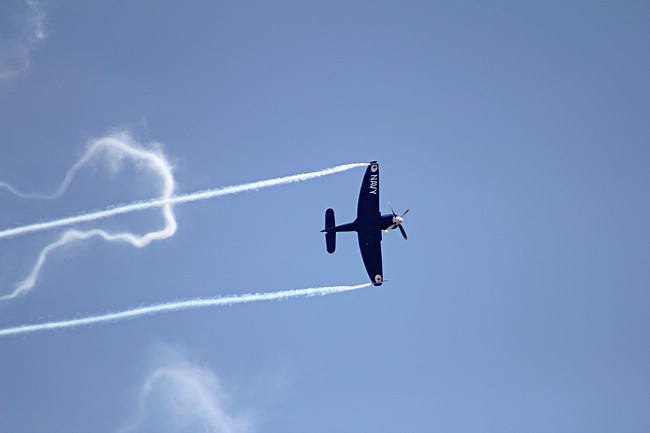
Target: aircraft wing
x=370, y=246
x=368, y=207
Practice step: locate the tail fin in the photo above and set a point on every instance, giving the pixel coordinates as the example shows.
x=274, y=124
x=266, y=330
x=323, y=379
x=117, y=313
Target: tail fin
x=330, y=237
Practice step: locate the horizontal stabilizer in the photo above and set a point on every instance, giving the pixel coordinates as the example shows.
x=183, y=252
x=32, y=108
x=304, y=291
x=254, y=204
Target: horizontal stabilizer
x=330, y=237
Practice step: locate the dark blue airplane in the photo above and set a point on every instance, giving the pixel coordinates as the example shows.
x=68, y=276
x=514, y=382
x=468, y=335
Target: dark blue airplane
x=368, y=225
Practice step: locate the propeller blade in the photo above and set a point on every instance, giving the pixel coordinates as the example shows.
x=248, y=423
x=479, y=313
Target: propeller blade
x=403, y=232
x=391, y=209
x=407, y=211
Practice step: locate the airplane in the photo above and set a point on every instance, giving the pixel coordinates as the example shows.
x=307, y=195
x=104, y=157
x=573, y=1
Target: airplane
x=368, y=225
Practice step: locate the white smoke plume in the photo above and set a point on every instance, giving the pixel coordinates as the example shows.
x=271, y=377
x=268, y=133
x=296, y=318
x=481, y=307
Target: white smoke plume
x=178, y=306
x=181, y=396
x=117, y=147
x=141, y=205
x=21, y=29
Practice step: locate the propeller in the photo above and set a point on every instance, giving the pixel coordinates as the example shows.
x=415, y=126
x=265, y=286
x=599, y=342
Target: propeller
x=401, y=229
x=397, y=221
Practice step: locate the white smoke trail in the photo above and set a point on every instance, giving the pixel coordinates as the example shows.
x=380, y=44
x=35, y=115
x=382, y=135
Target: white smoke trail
x=194, y=400
x=185, y=198
x=178, y=306
x=121, y=142
x=22, y=30
x=118, y=147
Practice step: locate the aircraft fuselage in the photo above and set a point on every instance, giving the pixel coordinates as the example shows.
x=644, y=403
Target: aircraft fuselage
x=382, y=223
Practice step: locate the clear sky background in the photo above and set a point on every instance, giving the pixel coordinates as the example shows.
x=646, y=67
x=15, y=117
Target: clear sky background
x=517, y=132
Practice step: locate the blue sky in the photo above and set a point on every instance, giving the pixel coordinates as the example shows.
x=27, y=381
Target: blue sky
x=517, y=133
